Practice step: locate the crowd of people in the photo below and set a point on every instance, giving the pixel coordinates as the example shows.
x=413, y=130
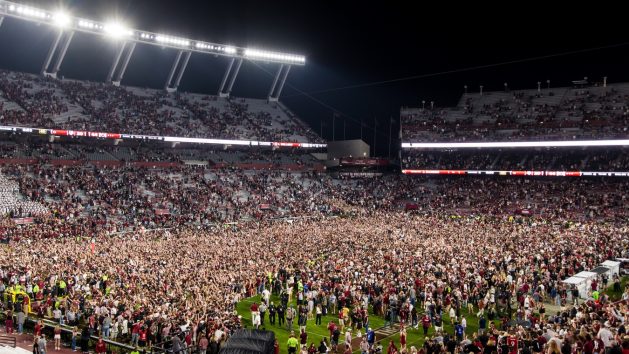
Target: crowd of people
x=87, y=152
x=550, y=159
x=146, y=287
x=86, y=199
x=88, y=106
x=147, y=254
x=560, y=113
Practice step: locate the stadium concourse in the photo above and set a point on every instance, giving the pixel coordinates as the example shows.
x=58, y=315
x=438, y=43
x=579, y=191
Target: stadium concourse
x=146, y=243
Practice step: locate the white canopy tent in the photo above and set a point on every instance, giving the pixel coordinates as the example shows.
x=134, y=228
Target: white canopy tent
x=613, y=266
x=580, y=283
x=589, y=277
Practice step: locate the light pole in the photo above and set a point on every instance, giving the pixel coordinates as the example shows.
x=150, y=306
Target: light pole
x=548, y=84
x=465, y=88
x=539, y=85
x=481, y=90
x=423, y=104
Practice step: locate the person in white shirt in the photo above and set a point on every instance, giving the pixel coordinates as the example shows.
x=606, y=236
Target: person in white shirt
x=348, y=337
x=266, y=295
x=606, y=336
x=125, y=327
x=452, y=314
x=113, y=331
x=56, y=314
x=218, y=334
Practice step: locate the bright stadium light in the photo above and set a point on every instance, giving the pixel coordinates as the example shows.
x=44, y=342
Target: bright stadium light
x=87, y=24
x=29, y=12
x=565, y=143
x=263, y=54
x=161, y=38
x=61, y=19
x=117, y=30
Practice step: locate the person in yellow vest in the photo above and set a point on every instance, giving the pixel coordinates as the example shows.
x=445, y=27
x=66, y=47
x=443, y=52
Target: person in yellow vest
x=62, y=287
x=103, y=283
x=292, y=343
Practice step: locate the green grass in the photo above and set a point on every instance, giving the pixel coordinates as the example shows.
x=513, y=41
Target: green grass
x=617, y=295
x=414, y=337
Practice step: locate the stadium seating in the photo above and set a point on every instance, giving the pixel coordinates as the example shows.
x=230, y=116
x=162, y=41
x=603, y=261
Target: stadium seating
x=560, y=113
x=31, y=101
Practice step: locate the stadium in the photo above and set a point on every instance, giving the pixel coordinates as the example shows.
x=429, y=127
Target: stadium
x=167, y=193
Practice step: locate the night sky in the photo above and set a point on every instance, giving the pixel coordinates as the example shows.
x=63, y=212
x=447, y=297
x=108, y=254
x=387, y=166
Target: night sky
x=347, y=43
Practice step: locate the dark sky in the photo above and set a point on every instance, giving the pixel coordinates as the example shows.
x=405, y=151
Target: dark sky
x=348, y=43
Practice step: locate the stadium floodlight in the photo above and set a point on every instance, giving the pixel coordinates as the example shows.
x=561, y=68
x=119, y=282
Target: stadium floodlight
x=513, y=144
x=117, y=30
x=28, y=11
x=88, y=24
x=263, y=54
x=161, y=38
x=61, y=19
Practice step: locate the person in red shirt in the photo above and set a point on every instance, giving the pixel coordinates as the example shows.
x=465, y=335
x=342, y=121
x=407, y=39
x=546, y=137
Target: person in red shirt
x=331, y=327
x=188, y=339
x=276, y=347
x=38, y=328
x=255, y=315
x=142, y=333
x=312, y=349
x=348, y=349
x=341, y=319
x=303, y=337
x=599, y=346
x=204, y=343
x=392, y=349
x=9, y=322
x=135, y=333
x=100, y=346
x=588, y=347
x=512, y=342
x=426, y=323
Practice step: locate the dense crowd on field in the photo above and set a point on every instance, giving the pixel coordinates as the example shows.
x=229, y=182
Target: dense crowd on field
x=147, y=286
x=164, y=252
